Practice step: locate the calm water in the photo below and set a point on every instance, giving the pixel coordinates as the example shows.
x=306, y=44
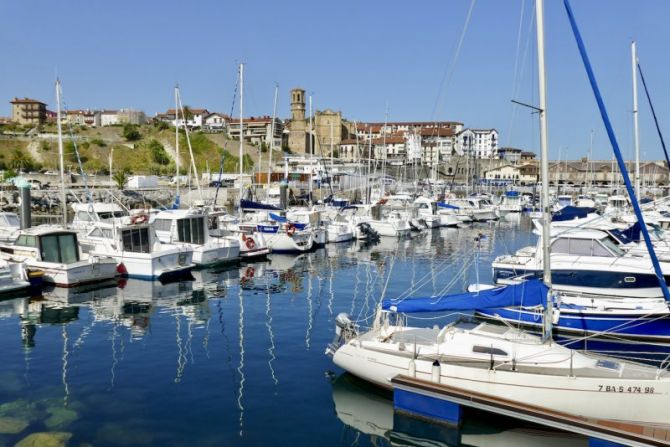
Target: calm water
x=235, y=357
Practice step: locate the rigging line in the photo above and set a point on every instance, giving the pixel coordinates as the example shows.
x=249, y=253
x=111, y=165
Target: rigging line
x=653, y=113
x=448, y=74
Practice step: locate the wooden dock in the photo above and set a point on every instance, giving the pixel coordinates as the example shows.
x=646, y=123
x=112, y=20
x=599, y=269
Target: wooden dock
x=434, y=397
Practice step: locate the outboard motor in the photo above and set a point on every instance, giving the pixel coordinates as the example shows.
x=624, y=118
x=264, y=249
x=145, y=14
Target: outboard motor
x=345, y=330
x=369, y=232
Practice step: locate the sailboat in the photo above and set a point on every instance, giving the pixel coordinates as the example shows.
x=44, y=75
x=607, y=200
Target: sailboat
x=501, y=361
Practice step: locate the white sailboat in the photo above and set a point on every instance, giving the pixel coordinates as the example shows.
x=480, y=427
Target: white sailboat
x=501, y=361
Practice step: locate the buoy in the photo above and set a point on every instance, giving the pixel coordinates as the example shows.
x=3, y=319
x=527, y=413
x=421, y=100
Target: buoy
x=436, y=372
x=412, y=368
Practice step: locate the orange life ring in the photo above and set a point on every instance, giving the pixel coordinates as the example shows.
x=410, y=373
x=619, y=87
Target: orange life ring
x=290, y=231
x=382, y=201
x=249, y=242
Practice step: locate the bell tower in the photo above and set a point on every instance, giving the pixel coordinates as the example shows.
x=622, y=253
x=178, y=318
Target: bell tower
x=298, y=104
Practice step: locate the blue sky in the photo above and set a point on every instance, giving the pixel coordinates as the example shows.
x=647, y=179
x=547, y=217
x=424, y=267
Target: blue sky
x=355, y=56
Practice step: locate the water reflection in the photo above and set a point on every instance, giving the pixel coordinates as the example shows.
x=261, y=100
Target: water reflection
x=232, y=357
x=369, y=410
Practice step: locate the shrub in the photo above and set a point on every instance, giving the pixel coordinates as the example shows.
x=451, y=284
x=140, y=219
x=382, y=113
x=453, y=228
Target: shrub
x=130, y=132
x=158, y=154
x=98, y=142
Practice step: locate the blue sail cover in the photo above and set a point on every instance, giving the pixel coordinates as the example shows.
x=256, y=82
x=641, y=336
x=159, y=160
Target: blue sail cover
x=278, y=218
x=528, y=294
x=512, y=193
x=446, y=205
x=251, y=205
x=571, y=212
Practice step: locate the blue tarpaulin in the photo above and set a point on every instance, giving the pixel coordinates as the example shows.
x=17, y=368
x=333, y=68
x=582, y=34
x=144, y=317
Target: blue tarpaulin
x=528, y=294
x=251, y=205
x=571, y=212
x=512, y=193
x=446, y=205
x=278, y=218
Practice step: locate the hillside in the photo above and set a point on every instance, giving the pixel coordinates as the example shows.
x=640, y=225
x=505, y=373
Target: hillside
x=151, y=150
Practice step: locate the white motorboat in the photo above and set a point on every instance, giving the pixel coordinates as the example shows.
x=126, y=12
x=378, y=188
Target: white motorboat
x=252, y=242
x=56, y=252
x=137, y=250
x=588, y=262
x=188, y=227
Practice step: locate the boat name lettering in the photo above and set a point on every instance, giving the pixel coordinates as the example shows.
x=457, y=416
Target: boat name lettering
x=626, y=389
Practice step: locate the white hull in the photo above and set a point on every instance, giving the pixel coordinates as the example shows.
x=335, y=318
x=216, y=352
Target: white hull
x=281, y=242
x=155, y=265
x=390, y=228
x=76, y=273
x=603, y=395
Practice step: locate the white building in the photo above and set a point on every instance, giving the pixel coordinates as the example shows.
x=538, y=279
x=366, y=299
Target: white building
x=479, y=143
x=392, y=147
x=109, y=118
x=258, y=130
x=131, y=116
x=216, y=122
x=195, y=118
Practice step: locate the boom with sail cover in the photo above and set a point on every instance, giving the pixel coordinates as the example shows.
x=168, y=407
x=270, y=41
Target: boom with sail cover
x=529, y=293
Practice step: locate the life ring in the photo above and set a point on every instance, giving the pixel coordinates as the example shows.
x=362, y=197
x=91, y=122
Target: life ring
x=248, y=274
x=139, y=219
x=249, y=242
x=382, y=201
x=290, y=230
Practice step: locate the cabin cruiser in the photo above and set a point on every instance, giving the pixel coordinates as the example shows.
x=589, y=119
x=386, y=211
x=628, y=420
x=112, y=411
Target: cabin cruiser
x=511, y=202
x=137, y=249
x=427, y=211
x=56, y=252
x=16, y=280
x=585, y=261
x=251, y=241
x=475, y=208
x=188, y=227
x=282, y=235
x=10, y=224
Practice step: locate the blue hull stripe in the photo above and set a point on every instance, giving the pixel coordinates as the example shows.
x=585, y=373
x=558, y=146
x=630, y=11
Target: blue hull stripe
x=587, y=278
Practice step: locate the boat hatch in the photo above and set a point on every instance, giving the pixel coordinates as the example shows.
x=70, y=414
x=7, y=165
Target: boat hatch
x=488, y=350
x=136, y=240
x=59, y=247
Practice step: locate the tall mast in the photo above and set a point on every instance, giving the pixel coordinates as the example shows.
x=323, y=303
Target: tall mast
x=241, y=130
x=636, y=132
x=544, y=150
x=176, y=132
x=60, y=153
x=272, y=137
x=311, y=151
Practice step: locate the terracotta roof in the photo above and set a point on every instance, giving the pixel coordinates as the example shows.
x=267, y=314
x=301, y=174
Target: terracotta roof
x=527, y=154
x=437, y=132
x=418, y=123
x=389, y=140
x=350, y=141
x=26, y=101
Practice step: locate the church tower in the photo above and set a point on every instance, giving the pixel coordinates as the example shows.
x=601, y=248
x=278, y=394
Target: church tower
x=297, y=137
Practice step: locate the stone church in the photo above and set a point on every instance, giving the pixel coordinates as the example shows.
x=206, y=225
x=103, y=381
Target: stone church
x=328, y=128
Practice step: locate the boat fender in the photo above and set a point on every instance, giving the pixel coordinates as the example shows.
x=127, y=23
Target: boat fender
x=412, y=368
x=435, y=377
x=139, y=219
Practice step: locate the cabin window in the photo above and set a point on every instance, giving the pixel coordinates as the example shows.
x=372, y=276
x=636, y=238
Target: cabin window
x=12, y=221
x=561, y=246
x=488, y=350
x=61, y=248
x=611, y=247
x=581, y=247
x=136, y=240
x=83, y=216
x=191, y=230
x=96, y=232
x=26, y=240
x=162, y=224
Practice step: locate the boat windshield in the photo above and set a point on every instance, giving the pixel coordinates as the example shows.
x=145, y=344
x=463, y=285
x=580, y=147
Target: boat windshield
x=60, y=248
x=12, y=220
x=612, y=246
x=136, y=240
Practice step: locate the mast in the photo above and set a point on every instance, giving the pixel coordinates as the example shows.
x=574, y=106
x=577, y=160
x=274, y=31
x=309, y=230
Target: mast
x=636, y=131
x=176, y=131
x=544, y=150
x=272, y=137
x=241, y=134
x=60, y=152
x=311, y=152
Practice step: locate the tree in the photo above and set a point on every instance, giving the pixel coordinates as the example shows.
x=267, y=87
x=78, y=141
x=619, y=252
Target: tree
x=188, y=114
x=130, y=132
x=120, y=177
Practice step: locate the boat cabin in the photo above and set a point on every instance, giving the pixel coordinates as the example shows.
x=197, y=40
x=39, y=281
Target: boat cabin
x=186, y=226
x=586, y=243
x=85, y=214
x=137, y=238
x=9, y=227
x=47, y=245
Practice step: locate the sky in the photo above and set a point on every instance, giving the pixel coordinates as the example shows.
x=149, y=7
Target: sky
x=369, y=59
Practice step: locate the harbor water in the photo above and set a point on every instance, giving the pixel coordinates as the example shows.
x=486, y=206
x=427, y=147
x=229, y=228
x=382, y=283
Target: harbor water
x=236, y=356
